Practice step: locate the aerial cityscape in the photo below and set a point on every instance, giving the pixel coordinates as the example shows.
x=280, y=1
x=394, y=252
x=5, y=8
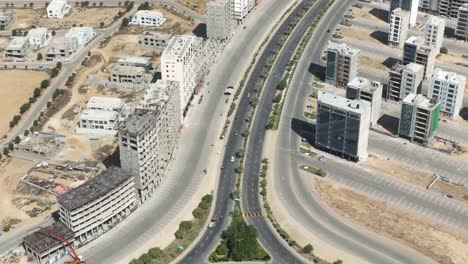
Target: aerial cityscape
x=229, y=131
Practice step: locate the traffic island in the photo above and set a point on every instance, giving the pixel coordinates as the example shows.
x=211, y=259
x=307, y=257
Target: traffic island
x=313, y=170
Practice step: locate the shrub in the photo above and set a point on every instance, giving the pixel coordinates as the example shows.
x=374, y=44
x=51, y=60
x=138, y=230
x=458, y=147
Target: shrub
x=155, y=253
x=37, y=92
x=45, y=84
x=39, y=56
x=24, y=107
x=443, y=50
x=11, y=146
x=17, y=139
x=145, y=258
x=6, y=151
x=54, y=72
x=59, y=65
x=197, y=213
x=308, y=249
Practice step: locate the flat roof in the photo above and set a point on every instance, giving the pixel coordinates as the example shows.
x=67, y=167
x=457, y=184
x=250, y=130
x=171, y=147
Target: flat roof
x=91, y=114
x=104, y=102
x=149, y=13
x=57, y=4
x=177, y=47
x=420, y=101
x=139, y=121
x=414, y=67
x=135, y=60
x=41, y=241
x=356, y=106
x=342, y=48
x=37, y=32
x=364, y=84
x=127, y=70
x=94, y=188
x=18, y=42
x=452, y=77
x=157, y=94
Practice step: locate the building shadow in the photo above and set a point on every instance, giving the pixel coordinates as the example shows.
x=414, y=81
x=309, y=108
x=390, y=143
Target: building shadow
x=379, y=13
x=113, y=159
x=389, y=62
x=449, y=32
x=381, y=36
x=303, y=129
x=390, y=123
x=317, y=70
x=464, y=113
x=200, y=31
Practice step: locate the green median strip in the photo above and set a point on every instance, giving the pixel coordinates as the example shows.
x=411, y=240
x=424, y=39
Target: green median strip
x=310, y=115
x=313, y=170
x=307, y=152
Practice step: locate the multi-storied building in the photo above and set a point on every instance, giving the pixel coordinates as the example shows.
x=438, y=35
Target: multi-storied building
x=419, y=118
x=218, y=25
x=58, y=9
x=18, y=48
x=399, y=26
x=410, y=6
x=241, y=8
x=62, y=49
x=6, y=17
x=82, y=34
x=131, y=72
x=403, y=80
x=148, y=137
x=38, y=37
x=429, y=6
x=435, y=28
x=415, y=51
x=342, y=126
x=148, y=18
x=153, y=39
x=448, y=88
x=183, y=61
x=101, y=116
x=450, y=8
x=363, y=89
x=97, y=205
x=342, y=64
x=461, y=30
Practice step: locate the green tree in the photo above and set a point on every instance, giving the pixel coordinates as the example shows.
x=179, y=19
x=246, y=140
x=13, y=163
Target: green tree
x=145, y=258
x=125, y=22
x=308, y=249
x=59, y=65
x=443, y=50
x=282, y=85
x=222, y=249
x=339, y=261
x=6, y=151
x=45, y=84
x=54, y=72
x=53, y=32
x=241, y=240
x=24, y=107
x=39, y=56
x=14, y=32
x=37, y=92
x=136, y=261
x=198, y=212
x=11, y=146
x=155, y=253
x=102, y=24
x=17, y=140
x=26, y=132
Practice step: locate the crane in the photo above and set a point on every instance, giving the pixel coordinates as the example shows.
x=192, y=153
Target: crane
x=76, y=258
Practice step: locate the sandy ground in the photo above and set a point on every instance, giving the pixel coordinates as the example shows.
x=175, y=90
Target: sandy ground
x=372, y=63
x=359, y=34
x=92, y=17
x=4, y=43
x=357, y=12
x=10, y=173
x=456, y=191
x=17, y=86
x=433, y=240
x=451, y=58
x=124, y=45
x=197, y=5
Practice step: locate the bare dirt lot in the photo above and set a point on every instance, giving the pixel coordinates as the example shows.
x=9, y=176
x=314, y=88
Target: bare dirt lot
x=123, y=45
x=17, y=86
x=451, y=58
x=3, y=43
x=433, y=240
x=92, y=17
x=359, y=34
x=372, y=63
x=196, y=5
x=361, y=12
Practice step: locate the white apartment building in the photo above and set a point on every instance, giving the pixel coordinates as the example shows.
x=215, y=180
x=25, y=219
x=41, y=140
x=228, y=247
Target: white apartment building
x=415, y=51
x=148, y=18
x=18, y=48
x=399, y=26
x=364, y=89
x=82, y=34
x=435, y=28
x=410, y=6
x=58, y=9
x=461, y=31
x=411, y=79
x=149, y=136
x=183, y=61
x=241, y=8
x=342, y=63
x=62, y=49
x=101, y=116
x=99, y=204
x=38, y=37
x=448, y=88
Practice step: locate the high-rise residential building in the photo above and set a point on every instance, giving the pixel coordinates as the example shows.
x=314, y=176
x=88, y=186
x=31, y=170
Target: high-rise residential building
x=241, y=8
x=403, y=80
x=414, y=50
x=461, y=31
x=363, y=89
x=429, y=6
x=342, y=63
x=218, y=25
x=419, y=118
x=448, y=88
x=435, y=28
x=97, y=205
x=399, y=26
x=411, y=6
x=149, y=136
x=183, y=61
x=449, y=8
x=342, y=126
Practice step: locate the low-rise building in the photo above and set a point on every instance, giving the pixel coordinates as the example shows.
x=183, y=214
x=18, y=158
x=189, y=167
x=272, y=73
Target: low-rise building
x=153, y=39
x=142, y=62
x=148, y=137
x=18, y=48
x=148, y=18
x=99, y=204
x=363, y=89
x=58, y=9
x=101, y=116
x=44, y=247
x=82, y=34
x=62, y=49
x=127, y=74
x=448, y=88
x=342, y=126
x=419, y=118
x=6, y=17
x=38, y=37
x=342, y=63
x=40, y=146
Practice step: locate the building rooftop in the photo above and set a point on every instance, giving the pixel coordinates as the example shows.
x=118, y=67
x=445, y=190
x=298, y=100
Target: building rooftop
x=414, y=67
x=79, y=32
x=157, y=94
x=448, y=76
x=56, y=4
x=149, y=13
x=42, y=241
x=127, y=70
x=464, y=7
x=88, y=114
x=399, y=12
x=342, y=48
x=177, y=47
x=134, y=60
x=364, y=84
x=355, y=106
x=139, y=121
x=18, y=42
x=94, y=188
x=104, y=102
x=37, y=32
x=435, y=20
x=157, y=34
x=61, y=43
x=415, y=40
x=420, y=101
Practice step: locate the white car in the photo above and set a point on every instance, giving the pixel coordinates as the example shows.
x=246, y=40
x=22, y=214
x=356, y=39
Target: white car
x=232, y=159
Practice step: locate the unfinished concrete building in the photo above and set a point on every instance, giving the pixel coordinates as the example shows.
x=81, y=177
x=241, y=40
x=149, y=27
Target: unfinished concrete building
x=149, y=136
x=151, y=39
x=415, y=51
x=449, y=8
x=44, y=247
x=342, y=63
x=218, y=25
x=18, y=48
x=96, y=206
x=6, y=17
x=39, y=146
x=131, y=72
x=363, y=89
x=461, y=31
x=62, y=49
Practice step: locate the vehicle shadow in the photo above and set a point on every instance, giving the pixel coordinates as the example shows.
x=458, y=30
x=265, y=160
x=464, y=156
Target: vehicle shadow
x=303, y=129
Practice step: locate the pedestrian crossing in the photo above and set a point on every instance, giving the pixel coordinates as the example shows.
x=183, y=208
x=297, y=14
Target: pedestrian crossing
x=253, y=214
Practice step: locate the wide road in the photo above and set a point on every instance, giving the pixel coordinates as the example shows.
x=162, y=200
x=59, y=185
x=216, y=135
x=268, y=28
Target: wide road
x=278, y=249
